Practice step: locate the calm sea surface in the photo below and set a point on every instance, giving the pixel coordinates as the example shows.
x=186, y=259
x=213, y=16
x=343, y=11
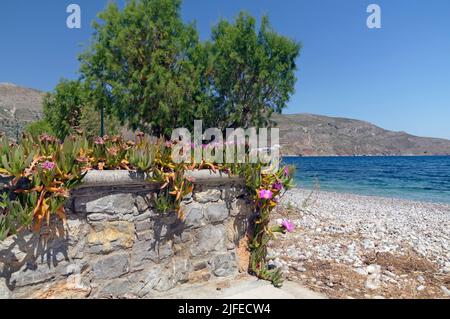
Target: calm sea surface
x=417, y=178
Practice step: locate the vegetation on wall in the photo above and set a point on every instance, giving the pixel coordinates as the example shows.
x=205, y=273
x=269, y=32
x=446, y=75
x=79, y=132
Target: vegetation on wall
x=43, y=170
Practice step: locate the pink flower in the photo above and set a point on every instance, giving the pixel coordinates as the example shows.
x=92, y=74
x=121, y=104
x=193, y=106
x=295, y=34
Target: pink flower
x=168, y=144
x=265, y=194
x=113, y=151
x=289, y=226
x=48, y=166
x=286, y=171
x=99, y=141
x=277, y=186
x=45, y=138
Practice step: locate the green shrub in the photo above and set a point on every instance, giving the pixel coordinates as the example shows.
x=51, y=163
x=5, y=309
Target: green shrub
x=38, y=128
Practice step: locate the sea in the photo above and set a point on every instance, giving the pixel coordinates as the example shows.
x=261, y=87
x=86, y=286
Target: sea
x=420, y=178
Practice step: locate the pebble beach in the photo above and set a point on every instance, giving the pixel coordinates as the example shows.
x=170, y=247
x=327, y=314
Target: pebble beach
x=353, y=246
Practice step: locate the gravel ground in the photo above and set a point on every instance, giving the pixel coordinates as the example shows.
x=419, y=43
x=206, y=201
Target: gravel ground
x=352, y=246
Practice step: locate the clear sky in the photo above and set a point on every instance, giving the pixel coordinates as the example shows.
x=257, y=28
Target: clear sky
x=397, y=77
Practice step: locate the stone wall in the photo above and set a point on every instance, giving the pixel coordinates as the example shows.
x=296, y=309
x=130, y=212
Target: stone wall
x=115, y=244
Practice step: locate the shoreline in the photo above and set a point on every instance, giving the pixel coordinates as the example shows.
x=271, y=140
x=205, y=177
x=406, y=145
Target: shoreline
x=380, y=197
x=362, y=156
x=377, y=155
x=358, y=246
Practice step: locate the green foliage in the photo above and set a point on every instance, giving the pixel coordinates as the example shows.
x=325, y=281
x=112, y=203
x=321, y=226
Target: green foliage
x=16, y=161
x=46, y=169
x=38, y=128
x=4, y=203
x=4, y=149
x=14, y=215
x=89, y=122
x=142, y=156
x=73, y=108
x=259, y=182
x=62, y=108
x=140, y=64
x=110, y=153
x=150, y=70
x=251, y=73
x=66, y=157
x=163, y=203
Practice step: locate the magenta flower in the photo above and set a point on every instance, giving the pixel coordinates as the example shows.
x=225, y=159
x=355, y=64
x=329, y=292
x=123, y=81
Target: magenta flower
x=168, y=144
x=99, y=141
x=289, y=226
x=48, y=166
x=286, y=171
x=265, y=194
x=277, y=186
x=45, y=138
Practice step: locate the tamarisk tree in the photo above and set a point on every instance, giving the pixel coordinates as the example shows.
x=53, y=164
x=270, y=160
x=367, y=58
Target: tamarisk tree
x=154, y=74
x=140, y=58
x=251, y=72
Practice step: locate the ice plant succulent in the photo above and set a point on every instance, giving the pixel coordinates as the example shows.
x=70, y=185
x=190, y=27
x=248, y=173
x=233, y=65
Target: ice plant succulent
x=288, y=225
x=286, y=171
x=99, y=141
x=48, y=166
x=51, y=168
x=269, y=187
x=265, y=194
x=277, y=186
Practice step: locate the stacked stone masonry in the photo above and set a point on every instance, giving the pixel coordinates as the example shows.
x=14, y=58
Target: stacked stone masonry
x=115, y=244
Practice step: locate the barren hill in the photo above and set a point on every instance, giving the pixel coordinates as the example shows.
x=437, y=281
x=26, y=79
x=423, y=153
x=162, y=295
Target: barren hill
x=301, y=134
x=18, y=106
x=315, y=135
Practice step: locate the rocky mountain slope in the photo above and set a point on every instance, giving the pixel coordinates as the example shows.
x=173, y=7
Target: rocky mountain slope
x=315, y=135
x=18, y=107
x=301, y=134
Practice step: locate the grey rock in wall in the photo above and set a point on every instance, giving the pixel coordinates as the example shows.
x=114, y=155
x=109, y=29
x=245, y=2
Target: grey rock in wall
x=216, y=212
x=224, y=265
x=116, y=245
x=111, y=266
x=110, y=204
x=207, y=196
x=5, y=293
x=193, y=215
x=209, y=239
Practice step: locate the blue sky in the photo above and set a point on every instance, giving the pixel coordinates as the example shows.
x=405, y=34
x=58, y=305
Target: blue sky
x=397, y=77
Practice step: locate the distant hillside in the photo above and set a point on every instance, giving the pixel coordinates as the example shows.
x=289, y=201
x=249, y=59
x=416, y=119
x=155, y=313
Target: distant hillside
x=302, y=134
x=315, y=135
x=18, y=107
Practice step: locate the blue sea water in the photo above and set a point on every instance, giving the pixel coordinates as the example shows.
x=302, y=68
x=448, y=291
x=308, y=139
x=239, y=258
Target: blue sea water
x=417, y=178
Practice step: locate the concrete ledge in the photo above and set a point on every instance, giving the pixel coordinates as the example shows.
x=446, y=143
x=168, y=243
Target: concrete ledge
x=113, y=178
x=209, y=177
x=96, y=178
